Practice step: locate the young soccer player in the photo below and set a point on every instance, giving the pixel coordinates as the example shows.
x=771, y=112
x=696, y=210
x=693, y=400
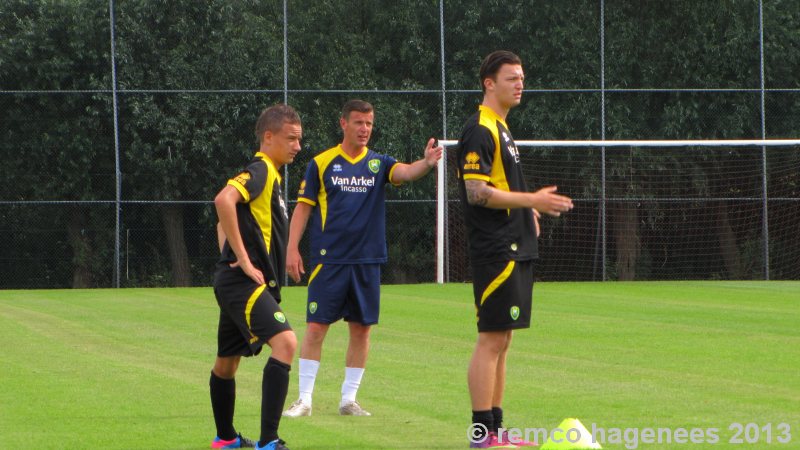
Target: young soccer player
x=502, y=227
x=253, y=228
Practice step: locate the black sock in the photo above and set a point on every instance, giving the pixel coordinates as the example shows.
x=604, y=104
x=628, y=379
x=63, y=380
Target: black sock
x=484, y=418
x=223, y=400
x=497, y=412
x=274, y=387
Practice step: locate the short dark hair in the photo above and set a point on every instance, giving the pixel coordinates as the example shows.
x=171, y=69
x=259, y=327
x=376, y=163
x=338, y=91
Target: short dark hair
x=355, y=105
x=493, y=62
x=273, y=118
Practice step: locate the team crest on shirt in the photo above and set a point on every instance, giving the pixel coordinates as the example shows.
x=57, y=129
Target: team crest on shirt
x=302, y=189
x=472, y=161
x=242, y=178
x=280, y=317
x=374, y=165
x=312, y=307
x=337, y=167
x=514, y=312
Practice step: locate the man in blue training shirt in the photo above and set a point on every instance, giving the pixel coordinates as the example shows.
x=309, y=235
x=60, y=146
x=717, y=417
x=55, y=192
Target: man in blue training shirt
x=343, y=196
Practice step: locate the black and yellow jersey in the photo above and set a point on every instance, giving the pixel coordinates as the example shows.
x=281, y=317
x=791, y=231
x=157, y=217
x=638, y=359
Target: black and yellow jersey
x=486, y=151
x=263, y=223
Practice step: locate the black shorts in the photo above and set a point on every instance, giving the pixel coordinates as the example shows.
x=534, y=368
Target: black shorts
x=503, y=294
x=249, y=316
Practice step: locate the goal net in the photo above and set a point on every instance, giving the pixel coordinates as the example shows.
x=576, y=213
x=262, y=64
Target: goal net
x=652, y=210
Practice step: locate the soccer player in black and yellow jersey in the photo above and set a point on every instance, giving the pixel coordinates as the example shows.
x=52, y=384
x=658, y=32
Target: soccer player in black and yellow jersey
x=502, y=226
x=253, y=225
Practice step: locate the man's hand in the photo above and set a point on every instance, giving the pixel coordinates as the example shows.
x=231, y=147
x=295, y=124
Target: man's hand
x=536, y=217
x=550, y=203
x=250, y=270
x=294, y=265
x=433, y=152
x=419, y=168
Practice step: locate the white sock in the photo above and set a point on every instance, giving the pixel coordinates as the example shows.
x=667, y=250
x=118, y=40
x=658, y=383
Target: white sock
x=308, y=374
x=352, y=379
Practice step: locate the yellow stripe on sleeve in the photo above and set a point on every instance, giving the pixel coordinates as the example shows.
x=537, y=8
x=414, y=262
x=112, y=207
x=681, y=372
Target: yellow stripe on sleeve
x=477, y=176
x=391, y=175
x=241, y=189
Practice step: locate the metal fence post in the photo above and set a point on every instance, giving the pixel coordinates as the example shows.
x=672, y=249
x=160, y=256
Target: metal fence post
x=765, y=195
x=603, y=136
x=117, y=171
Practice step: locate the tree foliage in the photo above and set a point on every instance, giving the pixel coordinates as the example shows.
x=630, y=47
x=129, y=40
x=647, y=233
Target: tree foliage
x=57, y=147
x=193, y=76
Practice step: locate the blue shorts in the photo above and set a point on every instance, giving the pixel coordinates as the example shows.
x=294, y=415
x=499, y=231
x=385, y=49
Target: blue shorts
x=344, y=291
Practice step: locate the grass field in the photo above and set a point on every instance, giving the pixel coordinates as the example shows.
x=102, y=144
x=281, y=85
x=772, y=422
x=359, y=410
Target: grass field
x=129, y=369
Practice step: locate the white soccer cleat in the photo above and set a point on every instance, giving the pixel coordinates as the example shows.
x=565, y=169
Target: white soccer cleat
x=352, y=409
x=298, y=409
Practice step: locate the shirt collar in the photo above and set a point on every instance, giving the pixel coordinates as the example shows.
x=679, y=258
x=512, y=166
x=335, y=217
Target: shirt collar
x=271, y=164
x=490, y=112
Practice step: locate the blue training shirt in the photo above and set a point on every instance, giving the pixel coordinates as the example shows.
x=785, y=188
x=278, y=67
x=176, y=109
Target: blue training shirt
x=348, y=223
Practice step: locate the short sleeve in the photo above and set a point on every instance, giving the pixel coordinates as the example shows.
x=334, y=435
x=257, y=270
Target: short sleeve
x=476, y=154
x=390, y=163
x=250, y=182
x=309, y=186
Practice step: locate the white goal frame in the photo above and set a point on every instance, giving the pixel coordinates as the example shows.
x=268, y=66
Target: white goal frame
x=441, y=179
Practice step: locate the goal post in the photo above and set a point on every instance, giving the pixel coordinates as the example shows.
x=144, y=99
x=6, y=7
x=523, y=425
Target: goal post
x=647, y=157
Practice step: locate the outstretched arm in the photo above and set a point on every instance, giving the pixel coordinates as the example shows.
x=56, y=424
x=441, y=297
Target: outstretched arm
x=418, y=169
x=545, y=200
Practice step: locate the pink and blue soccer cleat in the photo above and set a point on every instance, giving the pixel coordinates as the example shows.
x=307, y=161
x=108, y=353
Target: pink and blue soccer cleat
x=277, y=444
x=491, y=441
x=238, y=442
